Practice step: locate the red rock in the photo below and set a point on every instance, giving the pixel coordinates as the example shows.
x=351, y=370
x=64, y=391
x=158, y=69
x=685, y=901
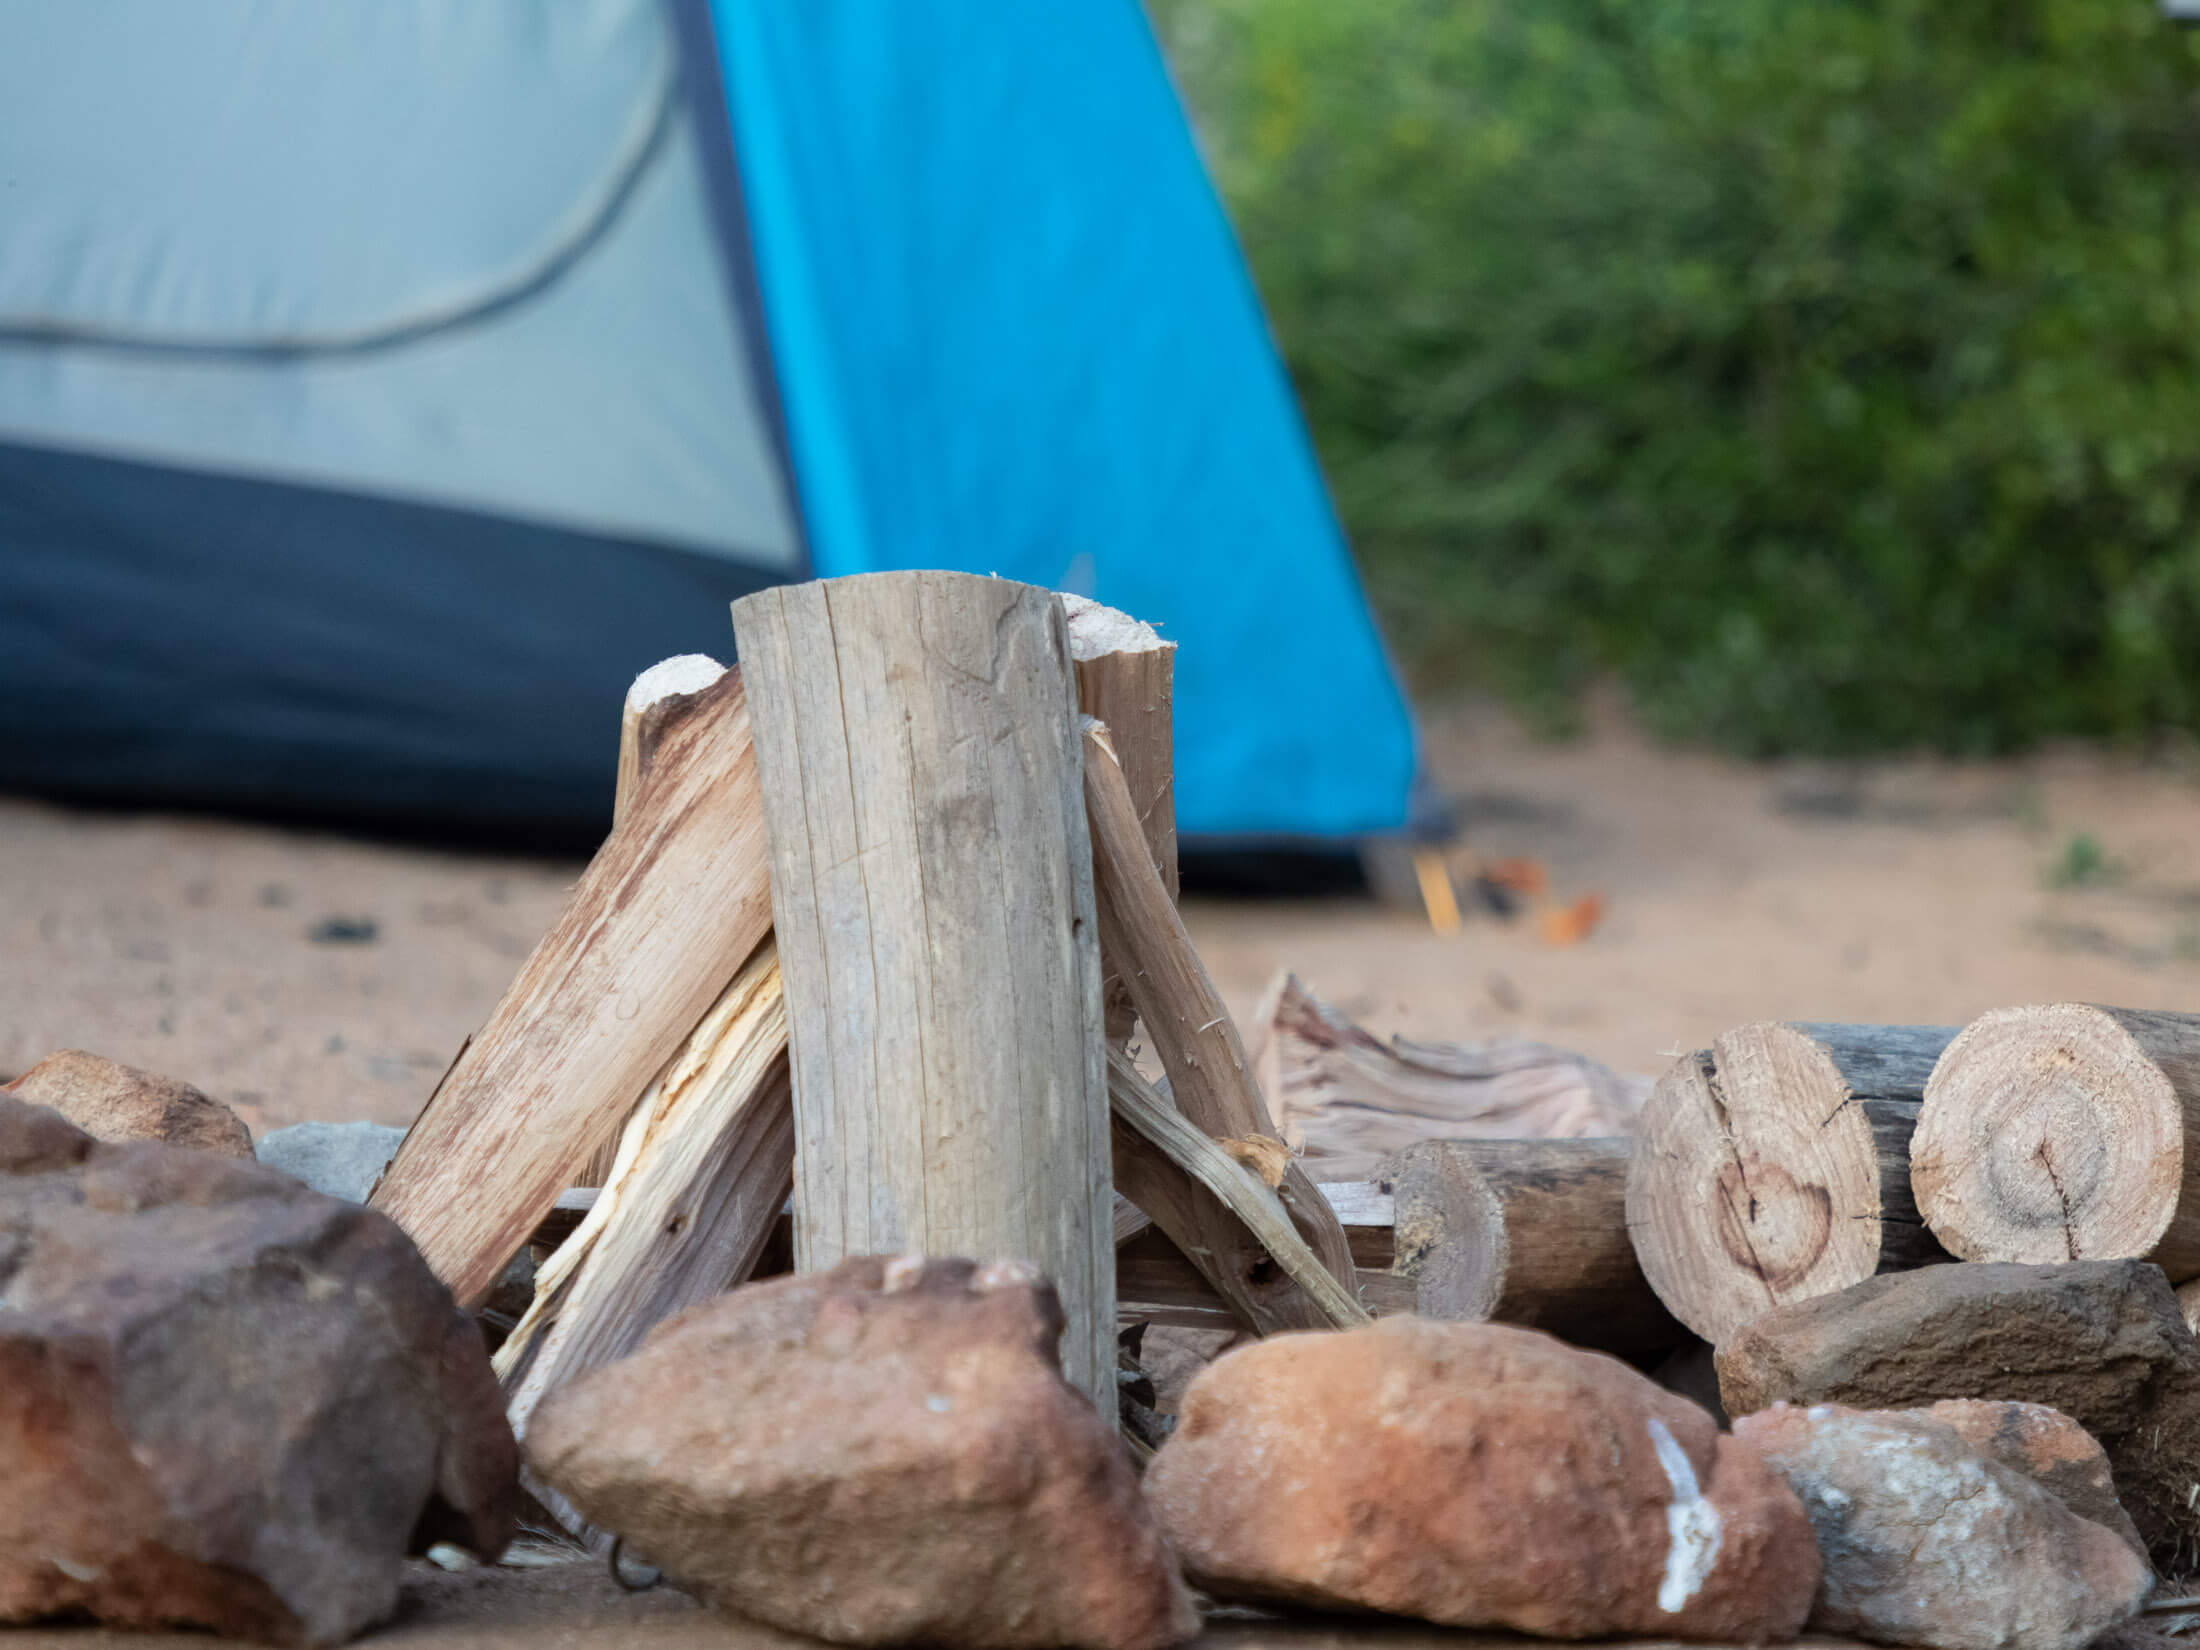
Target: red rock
x=2049, y=1448
x=1928, y=1542
x=1477, y=1475
x=114, y=1102
x=885, y=1453
x=225, y=1401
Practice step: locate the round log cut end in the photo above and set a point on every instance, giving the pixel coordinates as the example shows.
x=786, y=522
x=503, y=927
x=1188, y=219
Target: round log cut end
x=1449, y=1235
x=1755, y=1181
x=2048, y=1134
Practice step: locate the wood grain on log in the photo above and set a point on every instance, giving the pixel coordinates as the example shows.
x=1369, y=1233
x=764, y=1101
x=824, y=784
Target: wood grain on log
x=673, y=903
x=2065, y=1132
x=1770, y=1168
x=1529, y=1232
x=917, y=736
x=642, y=723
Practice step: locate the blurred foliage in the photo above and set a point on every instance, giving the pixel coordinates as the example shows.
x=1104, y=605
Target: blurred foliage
x=1830, y=372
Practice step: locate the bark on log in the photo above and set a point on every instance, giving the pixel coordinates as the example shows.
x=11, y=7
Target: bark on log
x=1345, y=1099
x=2066, y=1132
x=673, y=904
x=1773, y=1166
x=1144, y=938
x=917, y=736
x=1529, y=1232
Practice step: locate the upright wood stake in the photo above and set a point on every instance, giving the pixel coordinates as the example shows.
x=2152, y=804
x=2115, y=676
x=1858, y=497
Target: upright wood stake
x=932, y=878
x=671, y=906
x=1126, y=676
x=1144, y=938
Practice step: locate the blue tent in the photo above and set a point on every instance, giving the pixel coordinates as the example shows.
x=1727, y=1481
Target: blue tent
x=382, y=386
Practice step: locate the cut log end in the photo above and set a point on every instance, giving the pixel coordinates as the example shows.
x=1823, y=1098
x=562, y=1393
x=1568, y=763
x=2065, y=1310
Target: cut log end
x=1096, y=632
x=1531, y=1232
x=683, y=673
x=1756, y=1182
x=2052, y=1133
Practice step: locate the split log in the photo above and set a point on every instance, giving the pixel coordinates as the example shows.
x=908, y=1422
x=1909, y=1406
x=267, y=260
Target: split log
x=2066, y=1132
x=917, y=736
x=1191, y=1186
x=641, y=728
x=1529, y=1232
x=1774, y=1166
x=673, y=904
x=702, y=1174
x=1345, y=1100
x=1143, y=937
x=1126, y=680
x=1156, y=1284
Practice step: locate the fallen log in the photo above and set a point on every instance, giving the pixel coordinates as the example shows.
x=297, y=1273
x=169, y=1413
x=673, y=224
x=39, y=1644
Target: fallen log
x=674, y=902
x=1774, y=1166
x=2065, y=1132
x=1144, y=939
x=1345, y=1100
x=918, y=743
x=1529, y=1232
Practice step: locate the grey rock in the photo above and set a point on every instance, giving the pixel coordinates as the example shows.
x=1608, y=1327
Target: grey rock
x=1927, y=1542
x=335, y=1159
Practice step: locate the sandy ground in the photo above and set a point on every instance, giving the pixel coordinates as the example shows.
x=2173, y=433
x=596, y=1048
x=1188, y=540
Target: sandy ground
x=576, y=1607
x=298, y=975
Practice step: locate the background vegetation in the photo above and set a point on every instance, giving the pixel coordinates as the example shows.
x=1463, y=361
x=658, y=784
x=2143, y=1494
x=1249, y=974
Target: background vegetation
x=1829, y=372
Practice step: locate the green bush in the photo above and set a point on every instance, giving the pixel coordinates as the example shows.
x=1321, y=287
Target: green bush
x=1830, y=371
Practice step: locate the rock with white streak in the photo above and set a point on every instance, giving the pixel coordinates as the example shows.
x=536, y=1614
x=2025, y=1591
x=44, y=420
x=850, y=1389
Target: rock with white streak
x=1477, y=1475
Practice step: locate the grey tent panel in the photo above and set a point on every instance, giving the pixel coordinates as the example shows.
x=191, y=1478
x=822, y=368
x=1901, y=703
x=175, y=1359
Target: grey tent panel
x=280, y=250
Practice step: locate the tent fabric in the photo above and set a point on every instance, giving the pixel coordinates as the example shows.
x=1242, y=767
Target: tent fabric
x=382, y=387
x=162, y=638
x=1014, y=333
x=232, y=199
